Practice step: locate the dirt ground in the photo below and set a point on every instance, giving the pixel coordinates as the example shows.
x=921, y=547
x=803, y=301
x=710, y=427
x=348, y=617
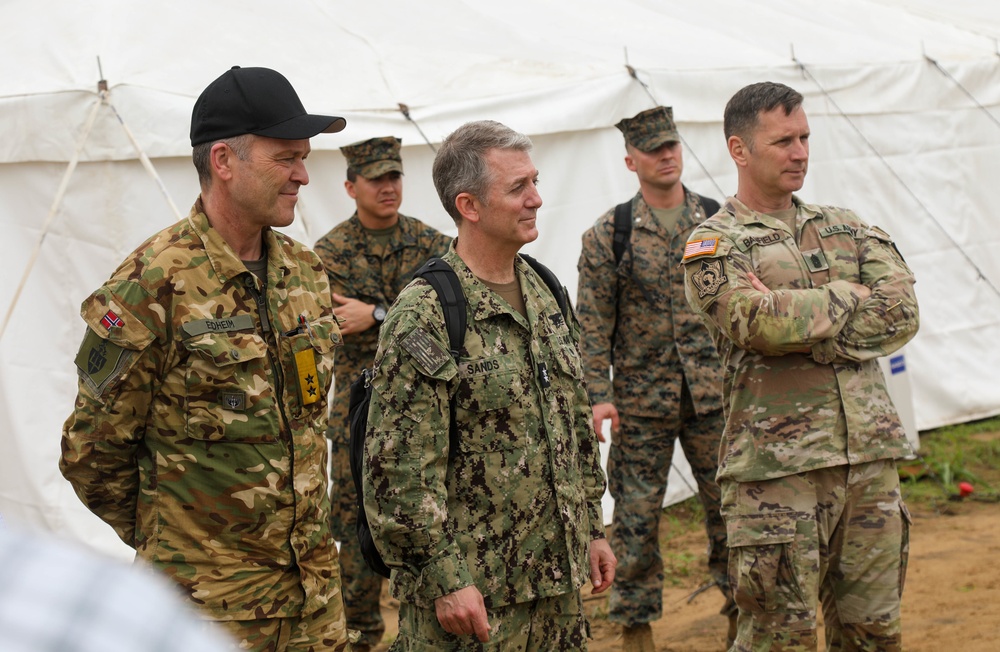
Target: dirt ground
x=951, y=599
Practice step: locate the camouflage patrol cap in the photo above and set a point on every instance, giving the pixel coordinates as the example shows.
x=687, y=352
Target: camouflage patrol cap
x=374, y=157
x=648, y=130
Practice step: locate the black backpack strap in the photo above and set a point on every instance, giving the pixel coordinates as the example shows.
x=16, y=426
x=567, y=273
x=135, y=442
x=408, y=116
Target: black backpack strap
x=445, y=282
x=552, y=281
x=709, y=205
x=623, y=229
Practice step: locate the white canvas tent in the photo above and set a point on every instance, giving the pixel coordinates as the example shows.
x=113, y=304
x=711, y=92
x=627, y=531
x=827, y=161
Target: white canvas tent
x=902, y=97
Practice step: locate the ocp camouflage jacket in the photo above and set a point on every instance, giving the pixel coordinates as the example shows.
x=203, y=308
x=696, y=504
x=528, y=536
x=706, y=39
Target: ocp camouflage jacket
x=803, y=388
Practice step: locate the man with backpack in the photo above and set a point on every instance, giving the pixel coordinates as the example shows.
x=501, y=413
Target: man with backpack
x=667, y=384
x=368, y=258
x=482, y=480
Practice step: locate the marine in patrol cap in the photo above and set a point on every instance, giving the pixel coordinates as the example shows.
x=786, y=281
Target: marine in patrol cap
x=374, y=157
x=648, y=130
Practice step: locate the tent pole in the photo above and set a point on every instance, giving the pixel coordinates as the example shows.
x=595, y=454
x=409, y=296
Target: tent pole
x=56, y=203
x=146, y=163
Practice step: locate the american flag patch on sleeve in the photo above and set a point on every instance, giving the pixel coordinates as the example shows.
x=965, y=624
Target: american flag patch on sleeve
x=700, y=248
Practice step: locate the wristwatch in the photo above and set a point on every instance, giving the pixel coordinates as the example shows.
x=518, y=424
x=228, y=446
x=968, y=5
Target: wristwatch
x=379, y=313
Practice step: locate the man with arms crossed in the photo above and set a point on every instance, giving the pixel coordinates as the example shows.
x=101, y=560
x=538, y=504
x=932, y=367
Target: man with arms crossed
x=801, y=300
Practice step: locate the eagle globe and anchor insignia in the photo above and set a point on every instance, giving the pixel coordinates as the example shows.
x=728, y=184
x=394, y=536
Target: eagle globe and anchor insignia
x=711, y=276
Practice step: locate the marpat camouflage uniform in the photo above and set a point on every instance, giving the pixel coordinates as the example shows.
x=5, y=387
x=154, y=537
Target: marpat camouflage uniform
x=808, y=411
x=198, y=427
x=667, y=387
x=361, y=267
x=514, y=509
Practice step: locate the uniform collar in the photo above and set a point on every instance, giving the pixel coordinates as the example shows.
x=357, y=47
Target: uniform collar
x=224, y=261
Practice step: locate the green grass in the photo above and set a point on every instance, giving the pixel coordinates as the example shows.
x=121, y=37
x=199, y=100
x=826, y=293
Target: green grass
x=968, y=452
x=680, y=519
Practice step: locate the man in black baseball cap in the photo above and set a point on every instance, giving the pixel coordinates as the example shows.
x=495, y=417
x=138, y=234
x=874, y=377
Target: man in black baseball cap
x=256, y=101
x=198, y=432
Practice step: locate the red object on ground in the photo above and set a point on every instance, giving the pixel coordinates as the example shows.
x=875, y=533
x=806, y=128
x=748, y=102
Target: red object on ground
x=964, y=489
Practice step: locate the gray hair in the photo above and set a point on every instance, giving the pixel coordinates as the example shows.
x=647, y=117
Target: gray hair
x=743, y=109
x=460, y=165
x=241, y=146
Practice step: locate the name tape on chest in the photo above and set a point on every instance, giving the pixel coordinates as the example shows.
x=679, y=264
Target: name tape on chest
x=226, y=324
x=761, y=240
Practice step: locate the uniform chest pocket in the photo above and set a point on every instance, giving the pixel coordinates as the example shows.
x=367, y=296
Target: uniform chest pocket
x=491, y=411
x=229, y=395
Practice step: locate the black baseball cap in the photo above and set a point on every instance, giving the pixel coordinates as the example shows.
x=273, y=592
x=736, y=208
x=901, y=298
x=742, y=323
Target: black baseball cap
x=255, y=101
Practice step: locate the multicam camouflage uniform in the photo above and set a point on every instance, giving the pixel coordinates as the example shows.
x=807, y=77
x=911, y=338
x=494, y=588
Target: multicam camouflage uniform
x=514, y=509
x=667, y=386
x=374, y=272
x=808, y=415
x=198, y=427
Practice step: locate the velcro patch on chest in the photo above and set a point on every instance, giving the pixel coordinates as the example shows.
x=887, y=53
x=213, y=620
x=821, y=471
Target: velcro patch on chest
x=425, y=350
x=305, y=369
x=226, y=324
x=834, y=229
x=709, y=278
x=761, y=240
x=815, y=260
x=485, y=366
x=705, y=247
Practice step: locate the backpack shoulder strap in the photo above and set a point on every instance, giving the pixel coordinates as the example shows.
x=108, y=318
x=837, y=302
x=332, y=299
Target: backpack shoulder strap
x=623, y=229
x=709, y=205
x=552, y=281
x=445, y=282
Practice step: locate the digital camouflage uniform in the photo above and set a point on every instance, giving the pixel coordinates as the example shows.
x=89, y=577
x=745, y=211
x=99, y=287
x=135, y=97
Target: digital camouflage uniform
x=198, y=428
x=810, y=490
x=373, y=269
x=374, y=273
x=667, y=383
x=514, y=509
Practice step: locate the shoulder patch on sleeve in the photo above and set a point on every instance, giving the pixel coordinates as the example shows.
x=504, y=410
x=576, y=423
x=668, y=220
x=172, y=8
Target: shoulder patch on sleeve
x=709, y=277
x=101, y=362
x=425, y=350
x=705, y=247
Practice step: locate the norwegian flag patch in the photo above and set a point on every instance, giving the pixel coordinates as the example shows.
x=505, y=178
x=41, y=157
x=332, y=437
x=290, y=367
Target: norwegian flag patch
x=700, y=248
x=111, y=320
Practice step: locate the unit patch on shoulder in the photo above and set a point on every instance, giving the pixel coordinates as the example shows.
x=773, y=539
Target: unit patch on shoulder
x=101, y=362
x=425, y=350
x=697, y=248
x=710, y=277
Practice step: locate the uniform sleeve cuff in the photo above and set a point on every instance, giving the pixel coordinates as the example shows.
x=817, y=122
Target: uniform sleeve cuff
x=444, y=575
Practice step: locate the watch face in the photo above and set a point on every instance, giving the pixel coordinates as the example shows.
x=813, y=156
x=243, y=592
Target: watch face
x=379, y=313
